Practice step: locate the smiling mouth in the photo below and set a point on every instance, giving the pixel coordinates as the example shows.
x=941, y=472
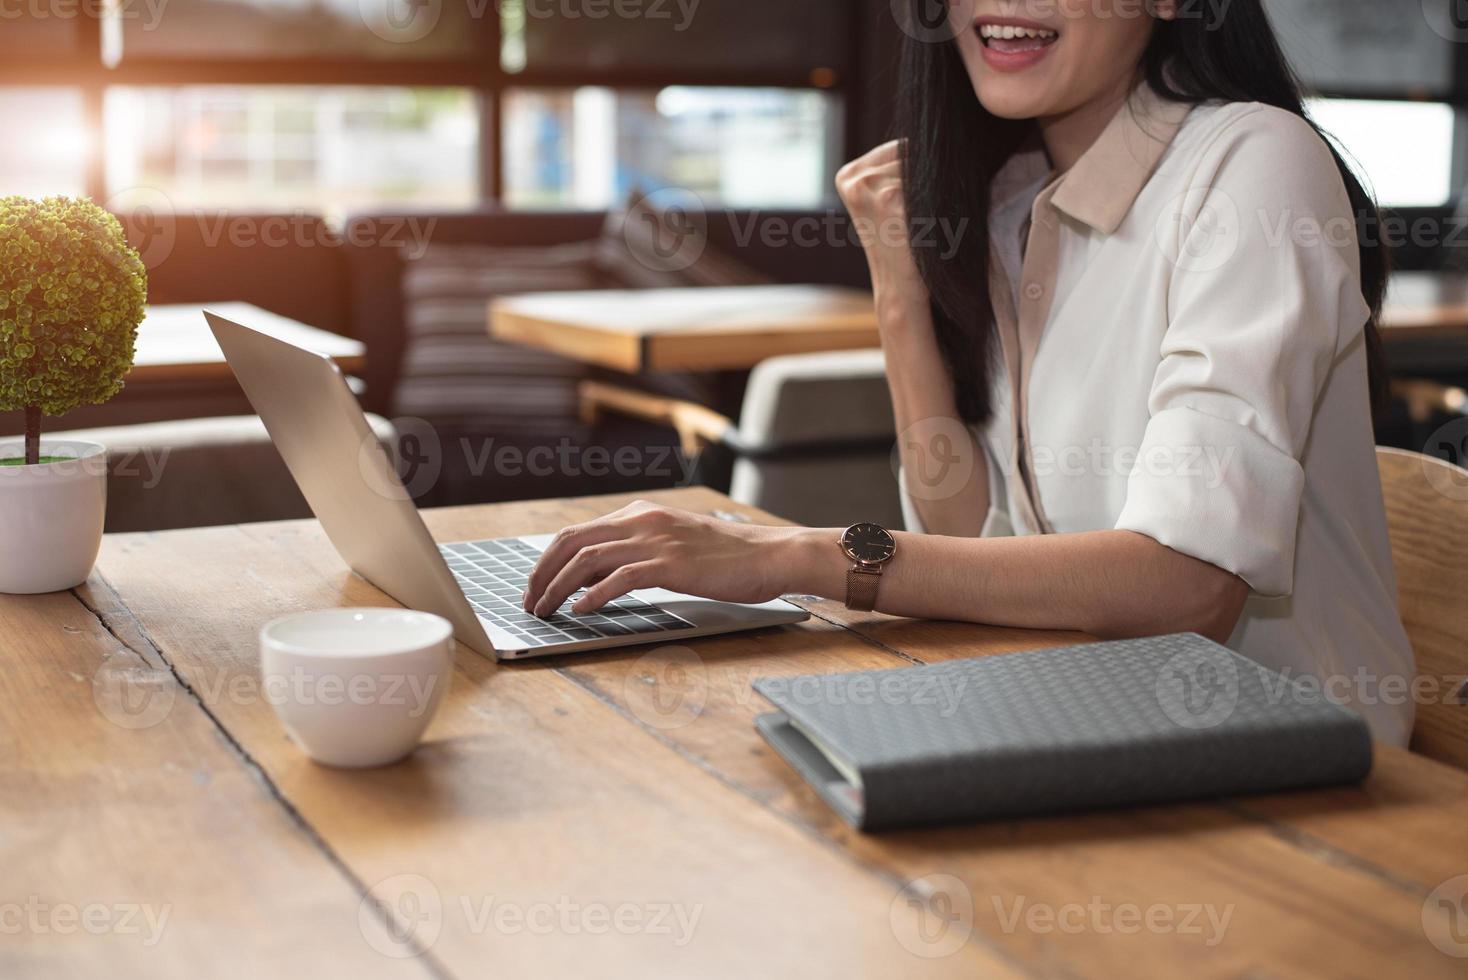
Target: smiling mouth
x=1009, y=39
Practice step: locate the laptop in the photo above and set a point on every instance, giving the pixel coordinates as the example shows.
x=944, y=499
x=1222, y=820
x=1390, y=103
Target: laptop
x=353, y=488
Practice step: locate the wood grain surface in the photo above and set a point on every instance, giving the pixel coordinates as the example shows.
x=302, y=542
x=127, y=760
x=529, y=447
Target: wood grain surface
x=552, y=796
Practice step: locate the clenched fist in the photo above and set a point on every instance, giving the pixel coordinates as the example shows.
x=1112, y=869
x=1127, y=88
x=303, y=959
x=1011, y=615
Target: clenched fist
x=871, y=188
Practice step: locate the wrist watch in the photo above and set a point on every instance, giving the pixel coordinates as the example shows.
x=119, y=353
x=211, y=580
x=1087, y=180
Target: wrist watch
x=870, y=548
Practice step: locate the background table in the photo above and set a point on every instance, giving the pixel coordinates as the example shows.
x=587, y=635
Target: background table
x=1425, y=325
x=179, y=371
x=141, y=768
x=176, y=344
x=715, y=329
x=1426, y=303
x=737, y=327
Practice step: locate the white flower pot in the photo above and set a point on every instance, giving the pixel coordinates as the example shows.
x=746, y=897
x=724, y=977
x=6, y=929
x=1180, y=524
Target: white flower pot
x=51, y=516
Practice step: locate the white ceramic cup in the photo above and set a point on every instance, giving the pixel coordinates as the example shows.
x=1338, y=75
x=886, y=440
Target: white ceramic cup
x=356, y=687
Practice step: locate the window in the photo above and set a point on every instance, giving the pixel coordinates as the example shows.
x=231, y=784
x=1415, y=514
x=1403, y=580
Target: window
x=589, y=147
x=1403, y=150
x=46, y=142
x=744, y=36
x=283, y=148
x=1369, y=46
x=273, y=29
x=342, y=105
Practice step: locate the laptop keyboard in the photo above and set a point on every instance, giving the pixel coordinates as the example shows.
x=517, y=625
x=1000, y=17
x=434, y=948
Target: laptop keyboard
x=493, y=575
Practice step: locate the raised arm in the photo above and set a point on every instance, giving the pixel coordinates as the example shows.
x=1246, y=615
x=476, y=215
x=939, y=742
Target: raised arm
x=929, y=432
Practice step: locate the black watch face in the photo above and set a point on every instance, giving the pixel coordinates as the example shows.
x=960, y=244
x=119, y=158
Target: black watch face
x=868, y=543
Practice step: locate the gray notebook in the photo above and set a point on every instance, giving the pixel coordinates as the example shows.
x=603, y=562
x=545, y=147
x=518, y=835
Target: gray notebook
x=1101, y=725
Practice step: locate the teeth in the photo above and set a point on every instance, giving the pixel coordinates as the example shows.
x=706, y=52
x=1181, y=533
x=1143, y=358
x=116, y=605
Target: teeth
x=1008, y=32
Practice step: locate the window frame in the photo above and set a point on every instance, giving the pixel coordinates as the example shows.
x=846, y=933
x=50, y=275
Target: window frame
x=84, y=71
x=1454, y=96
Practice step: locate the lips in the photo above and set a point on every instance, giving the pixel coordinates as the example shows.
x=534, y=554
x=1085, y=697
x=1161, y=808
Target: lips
x=1011, y=45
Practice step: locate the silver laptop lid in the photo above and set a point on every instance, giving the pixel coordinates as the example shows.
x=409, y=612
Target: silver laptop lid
x=345, y=474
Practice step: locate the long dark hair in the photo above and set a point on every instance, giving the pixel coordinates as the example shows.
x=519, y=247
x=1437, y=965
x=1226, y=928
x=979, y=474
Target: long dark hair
x=953, y=148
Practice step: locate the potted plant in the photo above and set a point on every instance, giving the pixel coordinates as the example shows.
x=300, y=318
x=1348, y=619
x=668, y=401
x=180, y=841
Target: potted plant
x=72, y=293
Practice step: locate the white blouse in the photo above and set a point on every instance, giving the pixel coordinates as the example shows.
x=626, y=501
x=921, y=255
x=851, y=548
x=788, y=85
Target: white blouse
x=1181, y=321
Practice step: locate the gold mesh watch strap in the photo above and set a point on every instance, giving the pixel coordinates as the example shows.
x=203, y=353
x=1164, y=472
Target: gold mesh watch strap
x=861, y=589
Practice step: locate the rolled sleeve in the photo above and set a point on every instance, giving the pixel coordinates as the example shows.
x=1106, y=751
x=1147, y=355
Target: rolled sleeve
x=1218, y=491
x=1264, y=297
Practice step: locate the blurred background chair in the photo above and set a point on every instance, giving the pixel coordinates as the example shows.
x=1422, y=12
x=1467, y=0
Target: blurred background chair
x=813, y=443
x=1427, y=516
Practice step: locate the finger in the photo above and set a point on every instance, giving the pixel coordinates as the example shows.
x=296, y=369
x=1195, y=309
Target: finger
x=589, y=565
x=561, y=550
x=886, y=153
x=628, y=578
x=880, y=159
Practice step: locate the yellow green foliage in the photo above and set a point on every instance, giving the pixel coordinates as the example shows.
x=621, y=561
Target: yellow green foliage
x=72, y=293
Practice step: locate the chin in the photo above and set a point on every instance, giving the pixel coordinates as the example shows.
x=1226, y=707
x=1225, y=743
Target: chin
x=1011, y=102
x=1009, y=95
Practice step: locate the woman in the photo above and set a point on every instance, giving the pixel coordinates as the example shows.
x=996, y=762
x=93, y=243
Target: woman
x=1154, y=414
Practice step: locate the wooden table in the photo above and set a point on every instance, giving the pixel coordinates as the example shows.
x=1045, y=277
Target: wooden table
x=179, y=371
x=737, y=327
x=140, y=769
x=1424, y=324
x=1425, y=304
x=716, y=329
x=175, y=343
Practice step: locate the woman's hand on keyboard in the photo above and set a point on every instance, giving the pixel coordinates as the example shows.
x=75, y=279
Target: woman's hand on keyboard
x=645, y=546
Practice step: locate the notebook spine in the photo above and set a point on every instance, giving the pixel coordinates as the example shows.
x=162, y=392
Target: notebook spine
x=986, y=785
